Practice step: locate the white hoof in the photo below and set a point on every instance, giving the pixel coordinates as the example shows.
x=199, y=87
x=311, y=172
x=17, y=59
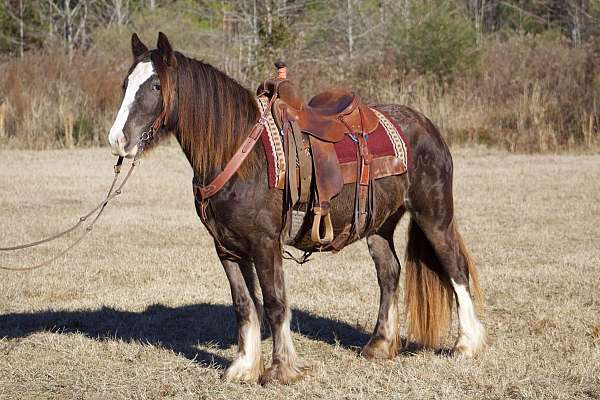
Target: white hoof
x=471, y=344
x=244, y=370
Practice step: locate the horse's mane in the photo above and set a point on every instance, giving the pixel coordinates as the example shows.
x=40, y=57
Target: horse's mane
x=214, y=115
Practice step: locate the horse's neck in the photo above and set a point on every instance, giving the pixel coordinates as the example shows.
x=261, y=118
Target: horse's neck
x=206, y=175
x=188, y=153
x=209, y=148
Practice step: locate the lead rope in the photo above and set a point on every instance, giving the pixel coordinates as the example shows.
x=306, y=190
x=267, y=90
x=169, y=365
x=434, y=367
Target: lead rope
x=99, y=209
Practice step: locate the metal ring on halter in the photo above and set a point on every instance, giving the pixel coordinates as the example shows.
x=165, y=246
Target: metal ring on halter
x=145, y=137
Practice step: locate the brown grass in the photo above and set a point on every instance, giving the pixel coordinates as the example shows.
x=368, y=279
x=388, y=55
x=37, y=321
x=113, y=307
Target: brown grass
x=142, y=309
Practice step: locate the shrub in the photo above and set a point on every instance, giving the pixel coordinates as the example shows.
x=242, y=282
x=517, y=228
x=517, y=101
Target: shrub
x=528, y=94
x=435, y=38
x=544, y=89
x=55, y=101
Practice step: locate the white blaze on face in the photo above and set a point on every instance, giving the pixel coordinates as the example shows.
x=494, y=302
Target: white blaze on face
x=140, y=74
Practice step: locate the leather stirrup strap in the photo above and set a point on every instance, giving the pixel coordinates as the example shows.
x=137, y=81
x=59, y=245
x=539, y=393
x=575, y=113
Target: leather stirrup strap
x=291, y=161
x=364, y=186
x=304, y=162
x=291, y=183
x=301, y=175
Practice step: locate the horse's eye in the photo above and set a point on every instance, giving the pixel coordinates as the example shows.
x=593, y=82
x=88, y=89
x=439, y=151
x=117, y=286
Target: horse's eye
x=156, y=87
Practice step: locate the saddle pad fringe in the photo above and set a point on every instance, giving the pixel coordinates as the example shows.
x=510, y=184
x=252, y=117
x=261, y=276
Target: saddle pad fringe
x=273, y=145
x=400, y=147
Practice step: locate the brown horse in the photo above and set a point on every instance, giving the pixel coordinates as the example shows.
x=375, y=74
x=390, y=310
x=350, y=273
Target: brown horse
x=210, y=115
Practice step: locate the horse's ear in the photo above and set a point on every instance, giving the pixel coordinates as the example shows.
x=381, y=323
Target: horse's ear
x=137, y=47
x=165, y=49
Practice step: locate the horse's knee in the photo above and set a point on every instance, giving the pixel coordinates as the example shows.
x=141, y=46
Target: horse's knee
x=275, y=311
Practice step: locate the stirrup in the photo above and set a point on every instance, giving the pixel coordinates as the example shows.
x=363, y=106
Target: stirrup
x=315, y=233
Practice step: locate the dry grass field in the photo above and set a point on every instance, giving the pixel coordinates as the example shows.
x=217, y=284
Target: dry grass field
x=141, y=309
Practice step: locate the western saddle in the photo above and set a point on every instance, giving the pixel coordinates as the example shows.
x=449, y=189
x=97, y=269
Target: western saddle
x=313, y=173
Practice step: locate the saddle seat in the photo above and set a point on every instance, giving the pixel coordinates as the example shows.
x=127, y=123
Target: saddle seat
x=334, y=113
x=332, y=102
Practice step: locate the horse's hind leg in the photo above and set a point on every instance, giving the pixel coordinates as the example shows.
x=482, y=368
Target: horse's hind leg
x=385, y=341
x=456, y=266
x=248, y=366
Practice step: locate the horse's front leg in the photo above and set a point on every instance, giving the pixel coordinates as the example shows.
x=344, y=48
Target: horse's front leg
x=248, y=365
x=286, y=366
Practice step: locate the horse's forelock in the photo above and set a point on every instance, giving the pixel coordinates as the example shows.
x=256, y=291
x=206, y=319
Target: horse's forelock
x=167, y=89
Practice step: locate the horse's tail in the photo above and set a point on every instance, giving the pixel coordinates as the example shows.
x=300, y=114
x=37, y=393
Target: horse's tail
x=428, y=294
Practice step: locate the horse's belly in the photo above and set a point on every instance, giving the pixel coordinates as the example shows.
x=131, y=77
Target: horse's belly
x=388, y=197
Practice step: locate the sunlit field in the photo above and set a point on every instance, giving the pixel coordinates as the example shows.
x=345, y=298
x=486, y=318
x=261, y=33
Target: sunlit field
x=142, y=308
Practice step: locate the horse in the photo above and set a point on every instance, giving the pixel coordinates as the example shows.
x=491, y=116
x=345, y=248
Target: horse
x=210, y=115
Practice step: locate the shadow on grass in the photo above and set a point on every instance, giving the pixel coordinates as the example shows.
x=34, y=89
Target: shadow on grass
x=180, y=329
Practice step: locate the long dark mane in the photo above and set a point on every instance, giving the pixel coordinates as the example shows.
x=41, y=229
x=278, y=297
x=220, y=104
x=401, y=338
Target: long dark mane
x=214, y=113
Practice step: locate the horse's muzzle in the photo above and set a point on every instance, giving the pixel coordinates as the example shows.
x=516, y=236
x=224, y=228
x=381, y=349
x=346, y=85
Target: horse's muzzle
x=120, y=148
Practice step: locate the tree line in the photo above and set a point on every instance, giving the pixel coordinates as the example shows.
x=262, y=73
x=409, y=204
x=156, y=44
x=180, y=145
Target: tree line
x=249, y=32
x=522, y=74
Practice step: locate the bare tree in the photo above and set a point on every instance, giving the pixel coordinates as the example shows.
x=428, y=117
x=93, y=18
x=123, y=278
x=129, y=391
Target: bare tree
x=485, y=14
x=67, y=20
x=251, y=29
x=579, y=20
x=121, y=11
x=21, y=29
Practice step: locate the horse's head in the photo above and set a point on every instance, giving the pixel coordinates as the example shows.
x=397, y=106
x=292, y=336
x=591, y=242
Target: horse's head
x=148, y=102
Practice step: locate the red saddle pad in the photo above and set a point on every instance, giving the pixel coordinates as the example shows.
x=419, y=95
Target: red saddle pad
x=385, y=141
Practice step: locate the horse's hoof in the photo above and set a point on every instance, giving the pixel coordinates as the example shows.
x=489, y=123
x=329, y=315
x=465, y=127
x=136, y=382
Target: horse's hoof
x=240, y=371
x=285, y=373
x=380, y=349
x=470, y=346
